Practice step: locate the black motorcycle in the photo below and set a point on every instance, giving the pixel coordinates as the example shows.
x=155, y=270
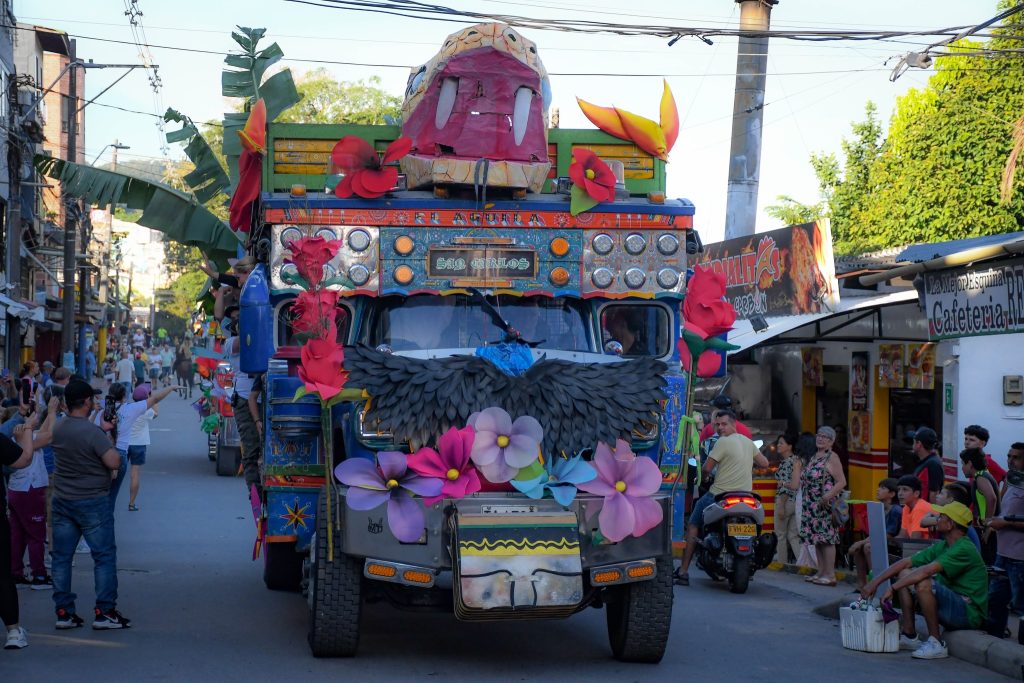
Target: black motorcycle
x=731, y=545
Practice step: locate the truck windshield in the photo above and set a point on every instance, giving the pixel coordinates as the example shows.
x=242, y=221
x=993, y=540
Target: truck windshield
x=446, y=322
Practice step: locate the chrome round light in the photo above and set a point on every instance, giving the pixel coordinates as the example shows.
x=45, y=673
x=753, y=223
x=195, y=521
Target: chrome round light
x=358, y=274
x=602, y=278
x=603, y=244
x=668, y=278
x=635, y=243
x=327, y=233
x=329, y=271
x=668, y=244
x=289, y=235
x=358, y=240
x=634, y=278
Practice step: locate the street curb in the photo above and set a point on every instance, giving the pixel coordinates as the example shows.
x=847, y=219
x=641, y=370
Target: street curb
x=1002, y=656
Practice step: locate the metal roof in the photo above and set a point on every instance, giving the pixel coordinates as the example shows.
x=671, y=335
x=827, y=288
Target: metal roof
x=932, y=250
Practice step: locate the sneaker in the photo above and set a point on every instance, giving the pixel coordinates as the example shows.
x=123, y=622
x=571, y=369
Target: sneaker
x=66, y=620
x=42, y=583
x=908, y=643
x=111, y=619
x=83, y=548
x=932, y=649
x=16, y=639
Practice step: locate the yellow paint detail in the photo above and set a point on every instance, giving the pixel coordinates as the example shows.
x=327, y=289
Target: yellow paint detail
x=509, y=548
x=290, y=145
x=300, y=169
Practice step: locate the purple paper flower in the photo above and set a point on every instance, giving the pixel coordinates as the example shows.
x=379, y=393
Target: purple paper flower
x=502, y=447
x=627, y=484
x=389, y=482
x=451, y=465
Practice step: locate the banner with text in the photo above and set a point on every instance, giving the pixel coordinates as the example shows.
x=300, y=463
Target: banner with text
x=782, y=272
x=967, y=302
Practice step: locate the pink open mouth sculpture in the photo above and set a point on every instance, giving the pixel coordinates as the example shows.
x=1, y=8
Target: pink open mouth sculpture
x=485, y=95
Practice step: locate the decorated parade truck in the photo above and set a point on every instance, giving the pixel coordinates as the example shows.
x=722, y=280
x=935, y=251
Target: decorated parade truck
x=469, y=330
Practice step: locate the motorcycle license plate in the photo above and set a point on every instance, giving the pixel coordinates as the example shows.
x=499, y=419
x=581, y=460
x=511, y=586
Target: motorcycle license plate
x=741, y=529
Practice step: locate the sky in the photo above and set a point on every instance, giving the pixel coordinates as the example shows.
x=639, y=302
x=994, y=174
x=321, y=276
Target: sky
x=814, y=90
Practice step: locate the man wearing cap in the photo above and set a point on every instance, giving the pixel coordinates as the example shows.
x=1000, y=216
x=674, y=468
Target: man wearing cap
x=929, y=465
x=46, y=376
x=949, y=580
x=86, y=463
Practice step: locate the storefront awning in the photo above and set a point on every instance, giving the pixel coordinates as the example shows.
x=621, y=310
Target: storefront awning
x=744, y=336
x=23, y=309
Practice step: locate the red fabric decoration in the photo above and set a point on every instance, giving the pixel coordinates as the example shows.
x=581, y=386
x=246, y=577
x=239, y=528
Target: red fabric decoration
x=365, y=172
x=310, y=254
x=322, y=367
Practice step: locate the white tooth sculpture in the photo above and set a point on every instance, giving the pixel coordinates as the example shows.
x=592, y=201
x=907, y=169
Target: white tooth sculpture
x=446, y=102
x=521, y=114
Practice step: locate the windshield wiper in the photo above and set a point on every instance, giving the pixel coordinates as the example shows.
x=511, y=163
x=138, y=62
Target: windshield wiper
x=511, y=333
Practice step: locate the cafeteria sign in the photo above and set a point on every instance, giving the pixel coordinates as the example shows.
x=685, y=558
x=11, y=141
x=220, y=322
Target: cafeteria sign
x=969, y=302
x=777, y=273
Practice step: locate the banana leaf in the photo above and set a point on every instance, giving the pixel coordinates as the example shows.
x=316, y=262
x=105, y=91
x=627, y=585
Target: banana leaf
x=208, y=179
x=245, y=78
x=178, y=215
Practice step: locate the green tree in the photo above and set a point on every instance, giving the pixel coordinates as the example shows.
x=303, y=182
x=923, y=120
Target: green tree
x=325, y=100
x=937, y=175
x=184, y=290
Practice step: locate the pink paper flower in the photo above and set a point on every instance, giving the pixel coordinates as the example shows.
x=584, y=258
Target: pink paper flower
x=627, y=484
x=451, y=465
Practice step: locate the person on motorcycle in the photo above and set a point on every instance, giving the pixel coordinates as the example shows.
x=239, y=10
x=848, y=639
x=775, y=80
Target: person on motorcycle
x=735, y=456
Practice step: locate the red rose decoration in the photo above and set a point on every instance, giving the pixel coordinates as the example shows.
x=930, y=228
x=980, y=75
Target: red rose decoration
x=323, y=367
x=593, y=175
x=704, y=309
x=310, y=254
x=366, y=173
x=314, y=313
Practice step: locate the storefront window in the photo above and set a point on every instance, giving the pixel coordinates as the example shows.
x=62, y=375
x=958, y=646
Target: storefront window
x=642, y=329
x=286, y=335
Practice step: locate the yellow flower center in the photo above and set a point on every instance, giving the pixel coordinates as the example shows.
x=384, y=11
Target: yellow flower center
x=392, y=483
x=620, y=486
x=590, y=174
x=452, y=474
x=502, y=441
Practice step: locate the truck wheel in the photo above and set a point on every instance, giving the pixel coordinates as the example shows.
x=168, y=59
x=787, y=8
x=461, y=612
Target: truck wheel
x=282, y=567
x=228, y=460
x=335, y=592
x=212, y=445
x=740, y=575
x=639, y=616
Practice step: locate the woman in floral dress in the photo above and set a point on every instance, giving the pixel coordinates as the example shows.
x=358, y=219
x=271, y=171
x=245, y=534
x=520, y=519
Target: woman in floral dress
x=821, y=481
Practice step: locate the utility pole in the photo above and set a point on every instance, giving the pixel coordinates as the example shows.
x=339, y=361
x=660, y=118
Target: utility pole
x=113, y=155
x=70, y=220
x=747, y=114
x=13, y=247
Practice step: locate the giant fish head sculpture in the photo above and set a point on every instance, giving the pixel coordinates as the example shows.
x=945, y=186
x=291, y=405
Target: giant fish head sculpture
x=485, y=95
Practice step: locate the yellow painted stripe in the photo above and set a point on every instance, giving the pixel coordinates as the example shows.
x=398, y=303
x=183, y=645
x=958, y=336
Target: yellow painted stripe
x=304, y=145
x=301, y=169
x=302, y=157
x=617, y=150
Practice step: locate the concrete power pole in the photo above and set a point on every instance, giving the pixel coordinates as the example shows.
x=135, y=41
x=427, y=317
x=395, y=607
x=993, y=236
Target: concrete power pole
x=745, y=154
x=70, y=220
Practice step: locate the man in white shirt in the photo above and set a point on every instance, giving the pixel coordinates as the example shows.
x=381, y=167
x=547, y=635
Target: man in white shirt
x=126, y=371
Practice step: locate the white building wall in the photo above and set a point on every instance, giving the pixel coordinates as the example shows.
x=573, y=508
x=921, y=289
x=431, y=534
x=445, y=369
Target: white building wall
x=982, y=362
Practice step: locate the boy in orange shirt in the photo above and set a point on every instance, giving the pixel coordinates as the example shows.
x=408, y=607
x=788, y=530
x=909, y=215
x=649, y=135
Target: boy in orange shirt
x=908, y=488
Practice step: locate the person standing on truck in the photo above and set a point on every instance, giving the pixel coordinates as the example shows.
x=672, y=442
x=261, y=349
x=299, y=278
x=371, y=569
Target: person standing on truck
x=245, y=418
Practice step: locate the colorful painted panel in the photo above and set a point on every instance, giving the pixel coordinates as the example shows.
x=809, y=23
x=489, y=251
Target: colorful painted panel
x=439, y=259
x=291, y=514
x=291, y=451
x=518, y=561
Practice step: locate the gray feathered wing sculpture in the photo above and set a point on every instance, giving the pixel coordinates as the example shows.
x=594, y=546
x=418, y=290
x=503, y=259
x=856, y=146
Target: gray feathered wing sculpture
x=578, y=404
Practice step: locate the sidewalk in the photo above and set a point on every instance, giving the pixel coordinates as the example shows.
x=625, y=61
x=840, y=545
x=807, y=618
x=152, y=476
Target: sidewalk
x=1003, y=656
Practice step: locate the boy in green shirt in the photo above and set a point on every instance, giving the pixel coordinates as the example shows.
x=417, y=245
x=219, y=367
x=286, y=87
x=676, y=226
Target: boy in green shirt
x=957, y=597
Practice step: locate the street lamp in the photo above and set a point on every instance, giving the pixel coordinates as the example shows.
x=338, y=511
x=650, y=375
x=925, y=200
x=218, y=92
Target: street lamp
x=116, y=145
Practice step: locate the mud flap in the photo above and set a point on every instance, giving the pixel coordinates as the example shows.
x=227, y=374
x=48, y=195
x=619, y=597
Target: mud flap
x=516, y=565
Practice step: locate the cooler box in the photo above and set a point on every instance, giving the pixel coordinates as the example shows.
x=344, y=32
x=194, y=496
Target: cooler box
x=865, y=631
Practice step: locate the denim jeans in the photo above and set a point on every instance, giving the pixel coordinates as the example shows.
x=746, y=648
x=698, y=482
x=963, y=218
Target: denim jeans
x=1015, y=573
x=93, y=519
x=115, y=485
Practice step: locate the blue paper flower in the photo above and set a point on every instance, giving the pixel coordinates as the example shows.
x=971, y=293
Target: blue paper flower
x=561, y=476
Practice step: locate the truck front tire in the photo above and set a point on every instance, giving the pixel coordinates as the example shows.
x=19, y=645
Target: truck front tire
x=335, y=591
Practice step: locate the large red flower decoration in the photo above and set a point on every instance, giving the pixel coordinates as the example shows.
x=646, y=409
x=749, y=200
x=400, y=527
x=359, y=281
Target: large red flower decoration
x=323, y=367
x=593, y=175
x=314, y=313
x=366, y=174
x=310, y=254
x=706, y=316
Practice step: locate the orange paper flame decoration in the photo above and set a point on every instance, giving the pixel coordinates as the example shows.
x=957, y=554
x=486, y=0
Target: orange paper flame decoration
x=654, y=138
x=254, y=134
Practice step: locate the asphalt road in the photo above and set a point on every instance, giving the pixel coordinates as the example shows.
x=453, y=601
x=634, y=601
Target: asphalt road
x=200, y=612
